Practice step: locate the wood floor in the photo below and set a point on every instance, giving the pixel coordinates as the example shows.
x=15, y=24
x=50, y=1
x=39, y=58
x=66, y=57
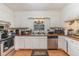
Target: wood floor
x=23, y=53
x=29, y=52
x=57, y=53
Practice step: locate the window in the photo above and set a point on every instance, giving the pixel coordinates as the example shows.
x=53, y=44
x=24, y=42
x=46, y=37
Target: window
x=39, y=27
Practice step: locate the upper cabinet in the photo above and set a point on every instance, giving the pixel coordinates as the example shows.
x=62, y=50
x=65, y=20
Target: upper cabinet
x=72, y=24
x=4, y=25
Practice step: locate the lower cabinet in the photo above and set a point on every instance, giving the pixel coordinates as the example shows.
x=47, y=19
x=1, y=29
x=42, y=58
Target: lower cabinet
x=28, y=43
x=69, y=45
x=36, y=43
x=65, y=43
x=42, y=43
x=19, y=43
x=73, y=49
x=62, y=43
x=32, y=42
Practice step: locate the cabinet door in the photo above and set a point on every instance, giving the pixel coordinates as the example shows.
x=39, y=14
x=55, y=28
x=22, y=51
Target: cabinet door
x=65, y=45
x=32, y=43
x=16, y=43
x=69, y=48
x=35, y=43
x=39, y=43
x=73, y=49
x=43, y=43
x=21, y=42
x=62, y=43
x=28, y=43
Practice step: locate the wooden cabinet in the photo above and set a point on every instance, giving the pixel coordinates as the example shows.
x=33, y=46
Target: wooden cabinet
x=72, y=24
x=30, y=42
x=62, y=43
x=42, y=43
x=35, y=44
x=73, y=48
x=69, y=45
x=19, y=43
x=70, y=49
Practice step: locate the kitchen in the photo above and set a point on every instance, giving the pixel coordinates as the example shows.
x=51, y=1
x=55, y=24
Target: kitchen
x=43, y=30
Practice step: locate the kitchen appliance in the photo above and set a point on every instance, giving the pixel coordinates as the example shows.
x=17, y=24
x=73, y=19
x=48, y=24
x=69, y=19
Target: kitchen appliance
x=70, y=32
x=53, y=43
x=53, y=37
x=56, y=30
x=76, y=33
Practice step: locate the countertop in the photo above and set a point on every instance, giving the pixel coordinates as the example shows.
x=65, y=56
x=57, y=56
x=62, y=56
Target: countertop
x=44, y=35
x=55, y=35
x=31, y=35
x=70, y=36
x=74, y=37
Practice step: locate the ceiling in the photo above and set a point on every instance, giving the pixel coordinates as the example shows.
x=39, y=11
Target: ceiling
x=35, y=6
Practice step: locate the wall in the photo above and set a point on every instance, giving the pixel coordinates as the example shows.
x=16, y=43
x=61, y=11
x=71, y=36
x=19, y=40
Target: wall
x=70, y=12
x=21, y=18
x=6, y=14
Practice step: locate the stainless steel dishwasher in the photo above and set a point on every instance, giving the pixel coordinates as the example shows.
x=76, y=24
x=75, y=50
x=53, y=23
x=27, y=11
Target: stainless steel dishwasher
x=53, y=43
